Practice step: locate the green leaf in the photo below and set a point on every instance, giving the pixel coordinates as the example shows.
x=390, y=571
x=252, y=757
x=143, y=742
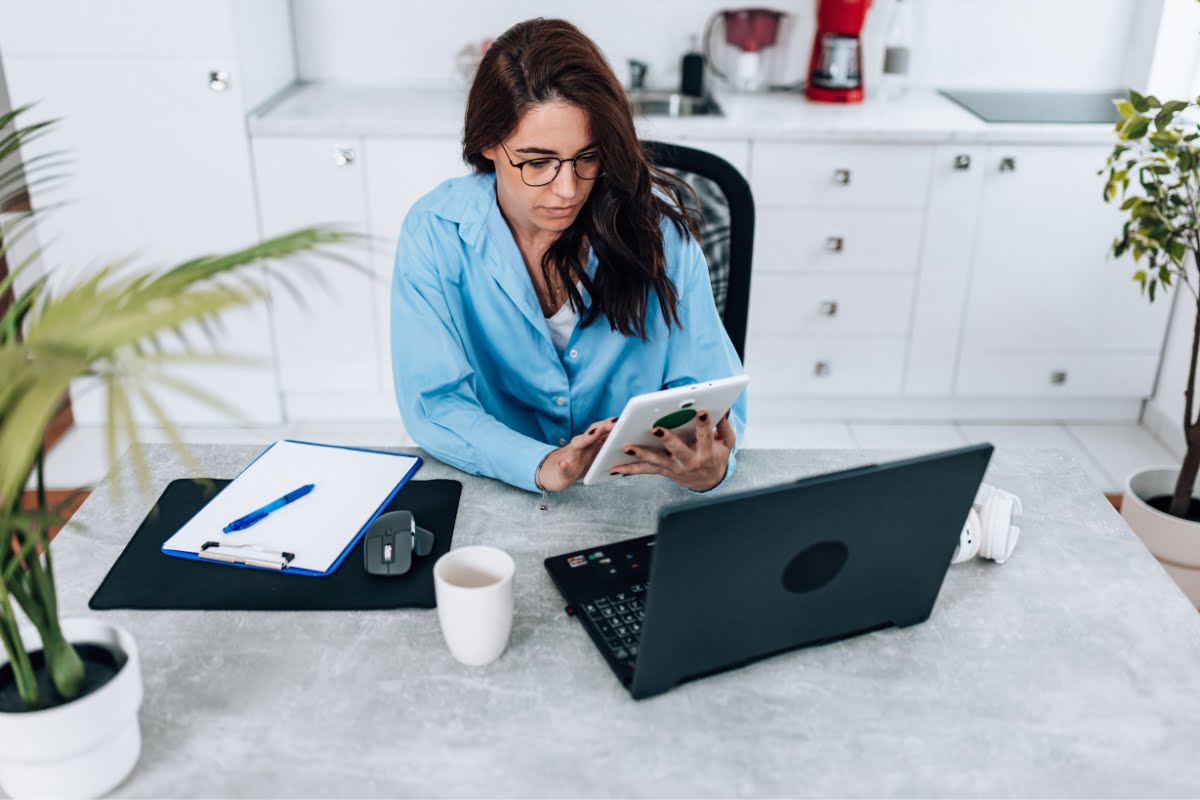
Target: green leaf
x=1153, y=286
x=1177, y=251
x=1135, y=128
x=1130, y=203
x=1140, y=276
x=1138, y=101
x=1124, y=108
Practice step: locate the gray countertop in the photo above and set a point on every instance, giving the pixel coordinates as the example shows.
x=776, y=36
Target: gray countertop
x=1072, y=670
x=921, y=116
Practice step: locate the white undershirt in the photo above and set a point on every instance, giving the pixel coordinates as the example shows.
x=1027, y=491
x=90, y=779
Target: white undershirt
x=562, y=325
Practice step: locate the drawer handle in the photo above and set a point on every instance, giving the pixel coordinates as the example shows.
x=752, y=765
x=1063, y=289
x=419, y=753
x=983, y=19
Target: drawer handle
x=829, y=308
x=822, y=369
x=218, y=80
x=841, y=177
x=834, y=244
x=962, y=161
x=1058, y=377
x=343, y=156
x=1008, y=164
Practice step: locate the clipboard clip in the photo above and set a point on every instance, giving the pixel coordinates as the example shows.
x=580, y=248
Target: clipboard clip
x=258, y=558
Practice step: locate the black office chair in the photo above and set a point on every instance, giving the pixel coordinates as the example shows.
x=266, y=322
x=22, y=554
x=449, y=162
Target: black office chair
x=727, y=227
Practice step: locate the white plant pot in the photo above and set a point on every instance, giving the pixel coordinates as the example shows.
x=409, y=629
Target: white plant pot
x=86, y=747
x=1174, y=542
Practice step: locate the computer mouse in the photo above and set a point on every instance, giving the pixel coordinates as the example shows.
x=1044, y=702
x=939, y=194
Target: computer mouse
x=390, y=542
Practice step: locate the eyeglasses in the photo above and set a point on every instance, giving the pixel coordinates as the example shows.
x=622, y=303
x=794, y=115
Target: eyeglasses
x=543, y=170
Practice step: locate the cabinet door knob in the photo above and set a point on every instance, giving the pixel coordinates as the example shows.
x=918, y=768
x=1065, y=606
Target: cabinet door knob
x=829, y=308
x=841, y=177
x=218, y=80
x=822, y=369
x=962, y=161
x=1008, y=164
x=1058, y=377
x=343, y=156
x=834, y=244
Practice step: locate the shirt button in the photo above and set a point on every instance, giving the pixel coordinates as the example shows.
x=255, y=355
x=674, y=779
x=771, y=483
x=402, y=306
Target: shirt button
x=574, y=353
x=562, y=401
x=562, y=442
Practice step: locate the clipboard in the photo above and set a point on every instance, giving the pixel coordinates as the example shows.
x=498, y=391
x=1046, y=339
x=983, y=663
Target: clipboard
x=310, y=536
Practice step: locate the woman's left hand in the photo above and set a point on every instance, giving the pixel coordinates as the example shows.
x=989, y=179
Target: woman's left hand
x=698, y=467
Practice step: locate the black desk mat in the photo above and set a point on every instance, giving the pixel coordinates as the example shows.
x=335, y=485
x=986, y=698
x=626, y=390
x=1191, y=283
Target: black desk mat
x=144, y=578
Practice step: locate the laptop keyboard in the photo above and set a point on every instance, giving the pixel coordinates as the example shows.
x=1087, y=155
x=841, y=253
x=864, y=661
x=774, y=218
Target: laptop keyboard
x=618, y=619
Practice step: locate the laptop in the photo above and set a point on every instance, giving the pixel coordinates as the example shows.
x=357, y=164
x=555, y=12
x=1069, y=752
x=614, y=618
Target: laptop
x=732, y=579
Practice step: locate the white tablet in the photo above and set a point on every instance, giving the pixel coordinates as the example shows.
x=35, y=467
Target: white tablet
x=673, y=409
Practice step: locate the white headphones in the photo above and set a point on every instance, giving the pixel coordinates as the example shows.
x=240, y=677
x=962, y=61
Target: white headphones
x=989, y=532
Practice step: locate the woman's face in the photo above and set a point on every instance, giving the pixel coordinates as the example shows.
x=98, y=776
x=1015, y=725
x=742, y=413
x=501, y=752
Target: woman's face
x=551, y=129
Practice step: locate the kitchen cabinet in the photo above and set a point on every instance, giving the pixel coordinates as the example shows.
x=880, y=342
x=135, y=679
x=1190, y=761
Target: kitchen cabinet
x=152, y=105
x=837, y=246
x=1048, y=312
x=402, y=172
x=323, y=314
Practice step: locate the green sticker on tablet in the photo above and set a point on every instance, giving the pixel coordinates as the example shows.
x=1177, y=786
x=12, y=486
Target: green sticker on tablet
x=675, y=418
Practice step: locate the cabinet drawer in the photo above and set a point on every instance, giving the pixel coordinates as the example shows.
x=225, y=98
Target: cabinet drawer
x=837, y=241
x=1070, y=375
x=839, y=175
x=795, y=367
x=830, y=305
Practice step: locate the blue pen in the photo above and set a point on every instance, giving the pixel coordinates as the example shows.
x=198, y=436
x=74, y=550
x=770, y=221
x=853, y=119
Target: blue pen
x=254, y=516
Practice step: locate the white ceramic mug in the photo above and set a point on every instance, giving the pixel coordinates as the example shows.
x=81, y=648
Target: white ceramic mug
x=474, y=590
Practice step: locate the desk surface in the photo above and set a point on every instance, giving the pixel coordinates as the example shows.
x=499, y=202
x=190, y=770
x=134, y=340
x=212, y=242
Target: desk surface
x=1072, y=670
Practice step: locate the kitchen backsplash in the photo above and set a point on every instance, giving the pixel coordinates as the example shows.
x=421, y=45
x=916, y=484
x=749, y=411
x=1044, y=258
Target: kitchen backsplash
x=1076, y=44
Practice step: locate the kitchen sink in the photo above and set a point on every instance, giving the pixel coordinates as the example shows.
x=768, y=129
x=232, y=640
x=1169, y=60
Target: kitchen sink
x=672, y=104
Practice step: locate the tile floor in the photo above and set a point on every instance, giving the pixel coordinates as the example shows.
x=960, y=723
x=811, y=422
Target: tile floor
x=1109, y=452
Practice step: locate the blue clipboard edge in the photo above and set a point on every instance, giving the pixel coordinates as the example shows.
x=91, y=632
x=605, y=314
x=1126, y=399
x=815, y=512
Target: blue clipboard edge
x=357, y=537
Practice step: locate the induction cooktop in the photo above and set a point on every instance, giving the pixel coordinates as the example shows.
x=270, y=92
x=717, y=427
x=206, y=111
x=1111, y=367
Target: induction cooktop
x=1024, y=106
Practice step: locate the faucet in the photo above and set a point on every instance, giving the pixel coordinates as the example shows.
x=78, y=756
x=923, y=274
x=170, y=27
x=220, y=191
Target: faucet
x=637, y=74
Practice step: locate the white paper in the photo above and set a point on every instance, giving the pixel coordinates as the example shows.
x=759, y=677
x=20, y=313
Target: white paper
x=350, y=486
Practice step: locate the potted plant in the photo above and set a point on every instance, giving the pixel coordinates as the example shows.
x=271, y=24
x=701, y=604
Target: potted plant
x=70, y=689
x=1154, y=171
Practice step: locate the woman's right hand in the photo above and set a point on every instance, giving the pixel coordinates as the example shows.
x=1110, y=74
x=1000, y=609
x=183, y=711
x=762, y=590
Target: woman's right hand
x=570, y=462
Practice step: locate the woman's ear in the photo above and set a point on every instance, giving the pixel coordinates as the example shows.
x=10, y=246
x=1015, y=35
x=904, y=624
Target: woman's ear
x=489, y=153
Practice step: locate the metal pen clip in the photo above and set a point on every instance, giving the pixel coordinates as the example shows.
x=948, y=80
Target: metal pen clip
x=259, y=558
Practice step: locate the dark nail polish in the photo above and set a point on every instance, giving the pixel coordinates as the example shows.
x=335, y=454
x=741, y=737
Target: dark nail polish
x=592, y=432
x=614, y=419
x=702, y=417
x=614, y=473
x=658, y=432
x=629, y=451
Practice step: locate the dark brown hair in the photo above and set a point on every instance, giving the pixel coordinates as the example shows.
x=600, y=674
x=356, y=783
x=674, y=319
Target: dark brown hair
x=550, y=60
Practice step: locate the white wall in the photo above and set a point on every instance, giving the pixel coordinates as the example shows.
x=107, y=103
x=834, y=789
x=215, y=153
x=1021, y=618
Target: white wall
x=982, y=43
x=1175, y=73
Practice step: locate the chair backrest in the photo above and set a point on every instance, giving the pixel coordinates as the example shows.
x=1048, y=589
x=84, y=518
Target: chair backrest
x=726, y=228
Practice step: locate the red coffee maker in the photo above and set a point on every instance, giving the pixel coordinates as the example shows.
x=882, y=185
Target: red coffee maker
x=835, y=69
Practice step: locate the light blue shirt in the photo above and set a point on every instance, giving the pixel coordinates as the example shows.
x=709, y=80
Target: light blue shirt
x=480, y=384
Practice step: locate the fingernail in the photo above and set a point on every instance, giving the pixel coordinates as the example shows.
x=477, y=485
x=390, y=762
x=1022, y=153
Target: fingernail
x=614, y=473
x=726, y=414
x=614, y=419
x=629, y=451
x=658, y=432
x=592, y=432
x=702, y=417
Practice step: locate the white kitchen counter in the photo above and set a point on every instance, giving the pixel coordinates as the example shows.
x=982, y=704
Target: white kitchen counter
x=922, y=116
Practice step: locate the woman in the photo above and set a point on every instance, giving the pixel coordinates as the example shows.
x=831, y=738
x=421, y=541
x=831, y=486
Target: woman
x=533, y=298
